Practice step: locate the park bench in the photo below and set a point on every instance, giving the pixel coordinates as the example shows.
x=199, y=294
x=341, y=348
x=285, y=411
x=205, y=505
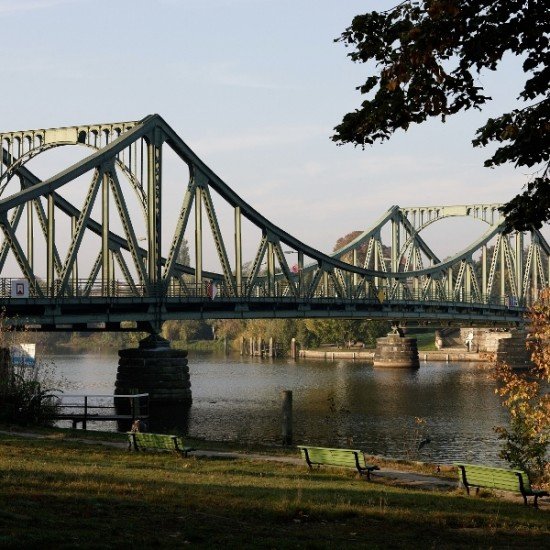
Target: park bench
x=158, y=442
x=515, y=481
x=344, y=458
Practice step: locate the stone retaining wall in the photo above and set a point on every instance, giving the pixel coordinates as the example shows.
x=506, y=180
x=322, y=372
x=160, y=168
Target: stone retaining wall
x=448, y=355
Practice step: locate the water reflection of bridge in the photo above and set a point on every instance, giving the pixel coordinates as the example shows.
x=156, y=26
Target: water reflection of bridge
x=88, y=218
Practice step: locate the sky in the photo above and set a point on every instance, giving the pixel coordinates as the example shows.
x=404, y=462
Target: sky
x=255, y=88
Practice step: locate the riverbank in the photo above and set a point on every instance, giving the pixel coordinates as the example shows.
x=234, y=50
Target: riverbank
x=81, y=345
x=65, y=493
x=367, y=355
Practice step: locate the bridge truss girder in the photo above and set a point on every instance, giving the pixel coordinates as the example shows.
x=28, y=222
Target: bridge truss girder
x=364, y=278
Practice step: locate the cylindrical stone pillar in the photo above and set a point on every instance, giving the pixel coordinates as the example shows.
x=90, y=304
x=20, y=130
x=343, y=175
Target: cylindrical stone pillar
x=396, y=351
x=156, y=369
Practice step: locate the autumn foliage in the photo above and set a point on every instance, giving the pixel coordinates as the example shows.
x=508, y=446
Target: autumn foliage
x=423, y=59
x=525, y=395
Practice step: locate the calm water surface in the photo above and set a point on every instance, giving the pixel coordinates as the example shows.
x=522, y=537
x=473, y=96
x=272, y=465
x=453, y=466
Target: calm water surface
x=339, y=403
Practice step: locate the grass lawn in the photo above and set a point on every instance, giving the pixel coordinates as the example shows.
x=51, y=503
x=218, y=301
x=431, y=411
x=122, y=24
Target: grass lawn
x=57, y=493
x=424, y=340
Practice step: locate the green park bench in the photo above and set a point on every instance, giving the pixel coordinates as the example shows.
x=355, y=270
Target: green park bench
x=514, y=481
x=158, y=442
x=344, y=458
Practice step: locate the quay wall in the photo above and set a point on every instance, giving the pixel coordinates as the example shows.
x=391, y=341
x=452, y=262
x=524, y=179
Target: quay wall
x=449, y=355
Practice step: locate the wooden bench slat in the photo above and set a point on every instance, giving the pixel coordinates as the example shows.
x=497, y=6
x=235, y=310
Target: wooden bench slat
x=140, y=441
x=345, y=458
x=335, y=456
x=516, y=481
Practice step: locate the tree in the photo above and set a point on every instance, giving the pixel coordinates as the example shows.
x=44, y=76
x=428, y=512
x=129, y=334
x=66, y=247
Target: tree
x=343, y=241
x=427, y=54
x=526, y=440
x=228, y=328
x=341, y=331
x=332, y=331
x=183, y=253
x=373, y=331
x=361, y=250
x=26, y=393
x=281, y=330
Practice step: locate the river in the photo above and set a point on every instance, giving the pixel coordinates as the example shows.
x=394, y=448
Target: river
x=342, y=403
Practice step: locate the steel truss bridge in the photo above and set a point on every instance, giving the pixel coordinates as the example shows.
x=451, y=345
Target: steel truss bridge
x=50, y=238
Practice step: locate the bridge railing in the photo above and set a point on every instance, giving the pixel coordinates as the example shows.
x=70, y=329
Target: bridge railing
x=263, y=290
x=281, y=290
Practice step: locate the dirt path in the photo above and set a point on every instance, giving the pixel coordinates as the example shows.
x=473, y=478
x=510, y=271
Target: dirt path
x=413, y=480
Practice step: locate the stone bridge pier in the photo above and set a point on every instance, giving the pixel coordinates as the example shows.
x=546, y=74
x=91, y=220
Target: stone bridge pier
x=396, y=351
x=156, y=369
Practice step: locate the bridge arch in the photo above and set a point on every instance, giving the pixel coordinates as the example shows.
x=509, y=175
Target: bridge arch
x=40, y=141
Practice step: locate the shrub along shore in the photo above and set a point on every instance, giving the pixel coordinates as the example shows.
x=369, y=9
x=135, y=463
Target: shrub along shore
x=57, y=491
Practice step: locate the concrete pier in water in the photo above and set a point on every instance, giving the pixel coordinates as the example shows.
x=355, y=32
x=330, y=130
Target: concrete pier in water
x=396, y=351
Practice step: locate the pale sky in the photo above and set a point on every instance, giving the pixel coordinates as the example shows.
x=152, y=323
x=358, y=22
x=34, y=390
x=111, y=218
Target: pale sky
x=255, y=88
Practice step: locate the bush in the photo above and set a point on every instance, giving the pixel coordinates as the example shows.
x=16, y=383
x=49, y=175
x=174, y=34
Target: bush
x=26, y=397
x=525, y=394
x=524, y=445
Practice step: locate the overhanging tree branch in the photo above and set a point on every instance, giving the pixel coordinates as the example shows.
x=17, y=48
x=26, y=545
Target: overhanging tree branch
x=427, y=55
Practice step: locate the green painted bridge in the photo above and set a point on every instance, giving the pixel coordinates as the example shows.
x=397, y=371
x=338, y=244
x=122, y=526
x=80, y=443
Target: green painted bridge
x=138, y=230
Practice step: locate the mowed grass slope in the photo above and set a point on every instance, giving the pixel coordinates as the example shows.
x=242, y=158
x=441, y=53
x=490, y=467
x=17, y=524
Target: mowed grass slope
x=61, y=494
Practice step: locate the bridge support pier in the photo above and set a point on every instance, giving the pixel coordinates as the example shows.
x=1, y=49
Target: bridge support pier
x=513, y=350
x=156, y=369
x=396, y=351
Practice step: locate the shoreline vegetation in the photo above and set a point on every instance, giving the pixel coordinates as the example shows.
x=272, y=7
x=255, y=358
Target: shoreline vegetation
x=71, y=488
x=112, y=343
x=83, y=344
x=229, y=334
x=115, y=341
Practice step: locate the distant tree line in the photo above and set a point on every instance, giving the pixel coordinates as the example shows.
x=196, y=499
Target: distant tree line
x=309, y=333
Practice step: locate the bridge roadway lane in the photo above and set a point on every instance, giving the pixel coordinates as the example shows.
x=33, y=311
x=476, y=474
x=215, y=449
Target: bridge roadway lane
x=114, y=313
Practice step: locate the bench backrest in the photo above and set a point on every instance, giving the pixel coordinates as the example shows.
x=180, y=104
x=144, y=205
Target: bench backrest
x=335, y=457
x=154, y=441
x=495, y=478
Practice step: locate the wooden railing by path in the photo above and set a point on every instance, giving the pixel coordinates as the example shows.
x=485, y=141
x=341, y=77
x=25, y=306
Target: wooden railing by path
x=97, y=408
